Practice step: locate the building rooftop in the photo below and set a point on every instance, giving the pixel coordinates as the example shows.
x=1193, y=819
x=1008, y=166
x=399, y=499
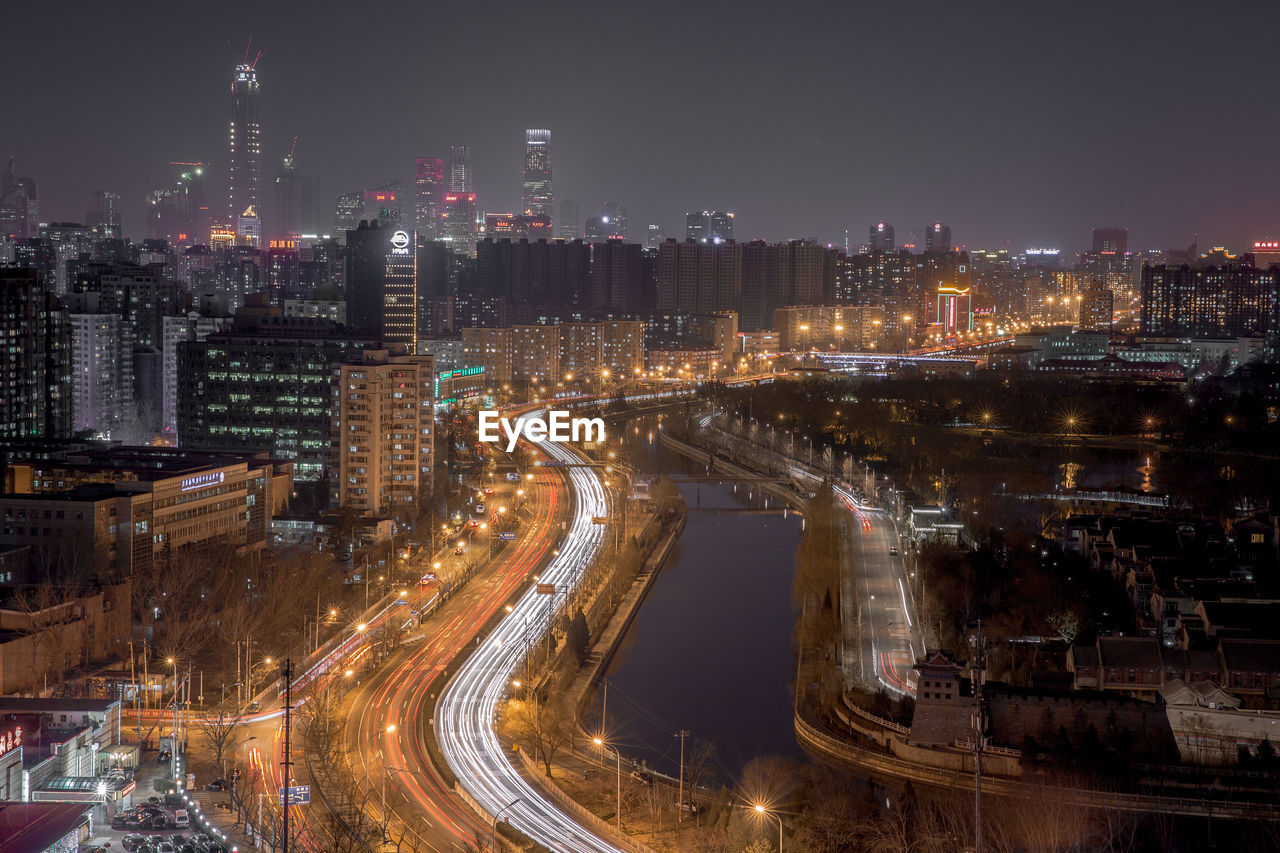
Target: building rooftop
x=38, y=826
x=29, y=705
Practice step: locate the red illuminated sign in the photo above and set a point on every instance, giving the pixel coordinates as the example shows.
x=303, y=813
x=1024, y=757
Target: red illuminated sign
x=1266, y=244
x=10, y=740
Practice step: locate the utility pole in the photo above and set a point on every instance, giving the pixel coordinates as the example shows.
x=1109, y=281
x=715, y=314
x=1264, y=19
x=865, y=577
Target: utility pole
x=286, y=672
x=978, y=671
x=682, y=734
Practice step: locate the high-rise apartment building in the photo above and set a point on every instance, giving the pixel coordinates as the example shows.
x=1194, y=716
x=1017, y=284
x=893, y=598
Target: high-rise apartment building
x=244, y=153
x=709, y=226
x=383, y=433
x=347, y=212
x=428, y=196
x=698, y=277
x=536, y=197
x=102, y=375
x=1228, y=301
x=1097, y=308
x=35, y=362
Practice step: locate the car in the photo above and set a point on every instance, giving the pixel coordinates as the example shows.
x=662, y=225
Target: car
x=164, y=757
x=642, y=777
x=165, y=847
x=216, y=785
x=255, y=707
x=120, y=821
x=131, y=841
x=161, y=821
x=458, y=551
x=689, y=807
x=488, y=491
x=478, y=509
x=475, y=522
x=893, y=552
x=181, y=820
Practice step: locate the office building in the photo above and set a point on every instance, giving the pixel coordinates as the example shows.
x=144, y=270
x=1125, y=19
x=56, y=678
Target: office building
x=347, y=213
x=537, y=197
x=1110, y=241
x=460, y=221
x=35, y=363
x=383, y=433
x=244, y=154
x=104, y=216
x=129, y=509
x=294, y=202
x=708, y=226
x=569, y=225
x=1266, y=253
x=428, y=196
x=881, y=238
x=937, y=238
x=460, y=177
x=1229, y=301
x=382, y=283
x=19, y=205
x=653, y=237
x=263, y=386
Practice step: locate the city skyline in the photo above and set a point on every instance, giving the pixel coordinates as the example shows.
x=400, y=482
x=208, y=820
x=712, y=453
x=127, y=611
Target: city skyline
x=1006, y=154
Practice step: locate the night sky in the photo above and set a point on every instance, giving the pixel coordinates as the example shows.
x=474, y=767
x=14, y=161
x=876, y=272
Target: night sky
x=1017, y=124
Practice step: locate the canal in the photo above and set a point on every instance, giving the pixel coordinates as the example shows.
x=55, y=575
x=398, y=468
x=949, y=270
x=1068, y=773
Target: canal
x=710, y=650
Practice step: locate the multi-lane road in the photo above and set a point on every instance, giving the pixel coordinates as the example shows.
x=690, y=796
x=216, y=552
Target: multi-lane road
x=882, y=636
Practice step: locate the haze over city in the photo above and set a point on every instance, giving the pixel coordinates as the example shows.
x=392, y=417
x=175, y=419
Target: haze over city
x=1019, y=126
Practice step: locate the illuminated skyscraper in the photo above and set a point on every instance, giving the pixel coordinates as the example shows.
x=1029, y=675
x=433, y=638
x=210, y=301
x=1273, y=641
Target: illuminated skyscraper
x=429, y=189
x=937, y=238
x=460, y=169
x=104, y=218
x=881, y=238
x=536, y=198
x=244, y=178
x=460, y=221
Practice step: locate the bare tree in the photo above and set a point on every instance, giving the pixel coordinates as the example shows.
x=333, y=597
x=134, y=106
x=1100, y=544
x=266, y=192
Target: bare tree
x=44, y=611
x=1065, y=624
x=546, y=724
x=219, y=734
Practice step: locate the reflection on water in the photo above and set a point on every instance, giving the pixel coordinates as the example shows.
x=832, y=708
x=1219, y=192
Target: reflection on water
x=710, y=650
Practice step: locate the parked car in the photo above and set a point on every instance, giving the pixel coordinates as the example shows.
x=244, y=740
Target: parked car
x=216, y=785
x=181, y=820
x=255, y=707
x=689, y=807
x=120, y=821
x=642, y=777
x=130, y=842
x=164, y=757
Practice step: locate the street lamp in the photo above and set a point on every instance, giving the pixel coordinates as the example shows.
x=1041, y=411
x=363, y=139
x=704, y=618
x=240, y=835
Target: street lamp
x=493, y=840
x=759, y=809
x=618, y=765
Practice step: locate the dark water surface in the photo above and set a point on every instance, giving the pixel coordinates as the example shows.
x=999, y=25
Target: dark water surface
x=710, y=650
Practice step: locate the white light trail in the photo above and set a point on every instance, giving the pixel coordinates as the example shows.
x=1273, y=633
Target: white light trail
x=465, y=715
